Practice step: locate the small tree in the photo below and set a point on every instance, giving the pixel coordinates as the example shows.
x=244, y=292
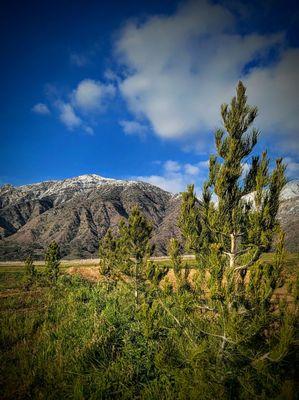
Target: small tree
x=135, y=234
x=231, y=235
x=180, y=274
x=174, y=255
x=52, y=260
x=242, y=230
x=30, y=271
x=108, y=253
x=189, y=221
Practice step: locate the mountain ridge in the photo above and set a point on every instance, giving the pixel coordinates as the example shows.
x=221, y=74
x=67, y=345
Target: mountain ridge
x=76, y=212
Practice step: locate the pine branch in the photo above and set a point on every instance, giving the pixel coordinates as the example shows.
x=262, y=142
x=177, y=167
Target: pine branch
x=249, y=263
x=237, y=253
x=176, y=320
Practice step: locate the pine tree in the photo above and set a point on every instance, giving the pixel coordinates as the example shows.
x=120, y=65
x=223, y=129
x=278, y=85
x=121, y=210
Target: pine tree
x=52, y=260
x=30, y=271
x=242, y=230
x=174, y=255
x=231, y=235
x=180, y=273
x=135, y=234
x=189, y=221
x=108, y=253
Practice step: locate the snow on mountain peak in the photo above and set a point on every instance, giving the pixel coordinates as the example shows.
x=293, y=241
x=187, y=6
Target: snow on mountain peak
x=90, y=178
x=290, y=190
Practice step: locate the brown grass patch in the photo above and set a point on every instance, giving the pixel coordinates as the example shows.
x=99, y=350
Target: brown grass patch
x=91, y=274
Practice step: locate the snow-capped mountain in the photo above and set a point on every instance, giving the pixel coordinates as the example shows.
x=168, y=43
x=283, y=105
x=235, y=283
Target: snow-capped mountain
x=289, y=214
x=76, y=212
x=290, y=191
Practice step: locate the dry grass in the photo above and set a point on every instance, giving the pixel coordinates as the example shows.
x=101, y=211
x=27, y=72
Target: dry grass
x=88, y=273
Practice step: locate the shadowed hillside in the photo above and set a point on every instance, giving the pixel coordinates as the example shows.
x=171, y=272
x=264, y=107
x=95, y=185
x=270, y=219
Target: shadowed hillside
x=77, y=212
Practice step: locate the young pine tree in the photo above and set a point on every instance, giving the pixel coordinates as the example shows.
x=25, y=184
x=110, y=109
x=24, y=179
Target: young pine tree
x=180, y=273
x=108, y=253
x=189, y=221
x=135, y=234
x=230, y=237
x=241, y=229
x=52, y=260
x=30, y=271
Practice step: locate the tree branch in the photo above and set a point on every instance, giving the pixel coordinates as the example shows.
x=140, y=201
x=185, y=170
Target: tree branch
x=251, y=262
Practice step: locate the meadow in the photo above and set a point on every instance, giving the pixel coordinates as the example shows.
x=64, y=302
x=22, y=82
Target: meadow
x=82, y=339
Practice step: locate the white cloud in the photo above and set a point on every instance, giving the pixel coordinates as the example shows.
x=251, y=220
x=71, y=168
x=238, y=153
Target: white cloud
x=292, y=171
x=91, y=95
x=175, y=177
x=191, y=169
x=68, y=116
x=41, y=108
x=273, y=89
x=174, y=184
x=82, y=104
x=180, y=68
x=172, y=166
x=110, y=75
x=133, y=128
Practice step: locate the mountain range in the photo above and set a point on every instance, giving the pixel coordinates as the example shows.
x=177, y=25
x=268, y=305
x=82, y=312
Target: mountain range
x=77, y=212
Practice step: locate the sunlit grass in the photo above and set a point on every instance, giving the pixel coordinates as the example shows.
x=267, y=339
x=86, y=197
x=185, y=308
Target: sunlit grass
x=83, y=340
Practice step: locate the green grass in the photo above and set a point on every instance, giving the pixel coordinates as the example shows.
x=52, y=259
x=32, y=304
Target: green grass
x=291, y=261
x=66, y=343
x=11, y=279
x=86, y=341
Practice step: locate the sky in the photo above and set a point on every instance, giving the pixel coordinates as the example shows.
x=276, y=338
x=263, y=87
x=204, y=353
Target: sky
x=132, y=90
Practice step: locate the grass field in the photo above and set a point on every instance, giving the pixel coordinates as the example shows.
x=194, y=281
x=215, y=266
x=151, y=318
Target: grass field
x=81, y=340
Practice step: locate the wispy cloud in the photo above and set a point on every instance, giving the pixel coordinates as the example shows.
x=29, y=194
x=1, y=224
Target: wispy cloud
x=41, y=108
x=292, y=171
x=85, y=57
x=175, y=176
x=79, y=59
x=92, y=96
x=68, y=116
x=133, y=128
x=79, y=107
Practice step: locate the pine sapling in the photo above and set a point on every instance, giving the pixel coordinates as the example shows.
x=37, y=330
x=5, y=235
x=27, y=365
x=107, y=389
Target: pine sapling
x=135, y=233
x=30, y=271
x=52, y=260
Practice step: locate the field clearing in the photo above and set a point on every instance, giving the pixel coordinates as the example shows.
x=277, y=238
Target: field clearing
x=291, y=262
x=16, y=266
x=12, y=272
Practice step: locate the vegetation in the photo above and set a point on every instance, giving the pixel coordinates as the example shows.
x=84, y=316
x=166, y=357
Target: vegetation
x=180, y=273
x=214, y=331
x=108, y=253
x=135, y=235
x=30, y=271
x=52, y=260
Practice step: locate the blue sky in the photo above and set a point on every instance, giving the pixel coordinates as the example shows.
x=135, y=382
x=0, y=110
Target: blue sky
x=128, y=90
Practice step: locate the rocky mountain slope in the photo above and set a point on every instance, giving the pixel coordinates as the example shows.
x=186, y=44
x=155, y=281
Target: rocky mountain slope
x=77, y=212
x=289, y=214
